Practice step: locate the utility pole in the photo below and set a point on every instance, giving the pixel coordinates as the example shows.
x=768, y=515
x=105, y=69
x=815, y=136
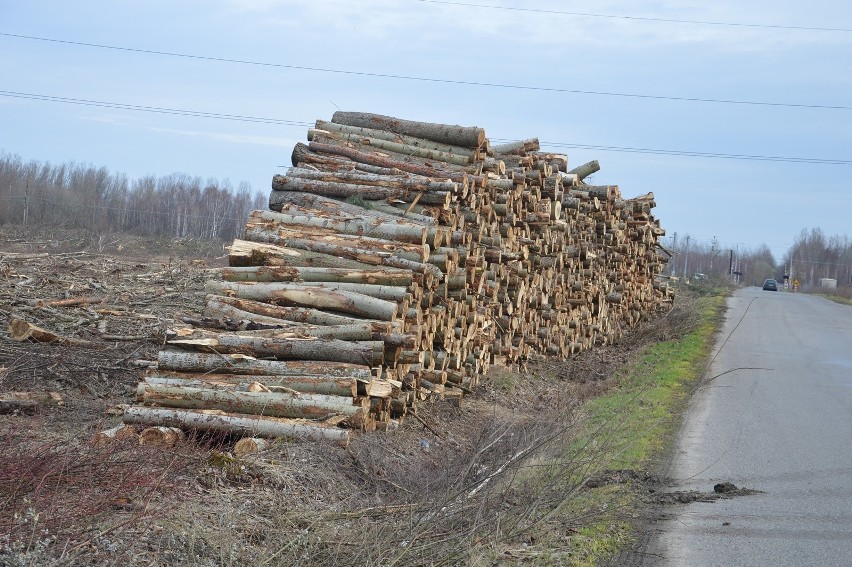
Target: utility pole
x=713, y=253
x=731, y=266
x=26, y=202
x=673, y=270
x=686, y=258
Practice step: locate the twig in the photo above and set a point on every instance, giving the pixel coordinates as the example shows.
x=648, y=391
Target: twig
x=426, y=425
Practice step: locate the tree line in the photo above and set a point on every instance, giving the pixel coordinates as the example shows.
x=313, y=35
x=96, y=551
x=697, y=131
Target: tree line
x=94, y=198
x=746, y=266
x=815, y=256
x=812, y=257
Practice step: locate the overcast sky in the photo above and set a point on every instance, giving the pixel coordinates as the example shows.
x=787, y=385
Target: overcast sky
x=514, y=72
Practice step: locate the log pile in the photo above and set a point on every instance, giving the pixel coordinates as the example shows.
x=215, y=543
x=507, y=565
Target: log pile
x=397, y=262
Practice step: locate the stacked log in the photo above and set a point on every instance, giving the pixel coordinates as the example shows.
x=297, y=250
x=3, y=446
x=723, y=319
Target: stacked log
x=397, y=262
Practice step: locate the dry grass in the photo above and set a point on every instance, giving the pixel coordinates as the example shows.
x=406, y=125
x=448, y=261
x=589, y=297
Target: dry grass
x=488, y=482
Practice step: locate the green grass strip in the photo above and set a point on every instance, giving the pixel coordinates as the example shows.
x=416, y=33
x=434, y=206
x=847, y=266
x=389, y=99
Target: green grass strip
x=632, y=426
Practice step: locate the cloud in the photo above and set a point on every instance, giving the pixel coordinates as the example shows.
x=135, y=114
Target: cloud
x=556, y=24
x=230, y=138
x=118, y=120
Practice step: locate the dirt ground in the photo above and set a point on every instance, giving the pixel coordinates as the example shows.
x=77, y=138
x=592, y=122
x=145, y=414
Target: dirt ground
x=62, y=501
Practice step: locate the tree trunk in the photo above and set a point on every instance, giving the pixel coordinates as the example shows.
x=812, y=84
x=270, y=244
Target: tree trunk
x=412, y=141
x=279, y=200
x=365, y=256
x=28, y=402
x=464, y=136
x=247, y=253
x=309, y=384
x=237, y=424
x=249, y=446
x=161, y=436
x=386, y=292
x=368, y=353
x=267, y=274
x=297, y=314
x=520, y=147
x=398, y=231
x=117, y=433
x=304, y=406
x=366, y=192
x=238, y=364
x=359, y=331
x=391, y=146
x=586, y=169
x=343, y=301
x=375, y=159
x=603, y=192
x=324, y=238
x=20, y=330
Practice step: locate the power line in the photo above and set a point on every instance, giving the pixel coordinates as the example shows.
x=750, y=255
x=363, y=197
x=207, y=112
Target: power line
x=687, y=153
x=638, y=18
x=507, y=86
x=284, y=122
x=155, y=109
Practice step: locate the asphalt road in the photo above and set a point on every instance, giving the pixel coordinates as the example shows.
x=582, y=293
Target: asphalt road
x=781, y=424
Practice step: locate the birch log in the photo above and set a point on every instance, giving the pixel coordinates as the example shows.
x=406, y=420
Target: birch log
x=412, y=141
x=238, y=364
x=220, y=304
x=237, y=424
x=376, y=276
x=304, y=406
x=309, y=384
x=464, y=136
x=398, y=231
x=342, y=301
x=368, y=353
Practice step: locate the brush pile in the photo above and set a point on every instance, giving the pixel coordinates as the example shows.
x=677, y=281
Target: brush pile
x=397, y=262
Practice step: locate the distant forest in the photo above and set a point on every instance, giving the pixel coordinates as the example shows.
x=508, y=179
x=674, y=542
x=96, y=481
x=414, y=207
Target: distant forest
x=94, y=198
x=180, y=206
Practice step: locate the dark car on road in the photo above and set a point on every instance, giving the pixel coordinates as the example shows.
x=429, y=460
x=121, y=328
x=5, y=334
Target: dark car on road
x=770, y=285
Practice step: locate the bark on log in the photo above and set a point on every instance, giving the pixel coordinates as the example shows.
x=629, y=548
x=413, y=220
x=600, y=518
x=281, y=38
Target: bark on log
x=237, y=424
x=225, y=317
x=366, y=192
x=586, y=169
x=386, y=292
x=464, y=136
x=296, y=314
x=249, y=446
x=368, y=353
x=374, y=159
x=28, y=402
x=324, y=250
x=238, y=364
x=390, y=145
x=382, y=331
x=520, y=147
x=118, y=433
x=474, y=169
x=20, y=330
x=268, y=274
x=412, y=141
x=405, y=212
x=319, y=240
x=280, y=199
x=161, y=436
x=247, y=253
x=303, y=406
x=308, y=384
x=315, y=297
x=399, y=231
